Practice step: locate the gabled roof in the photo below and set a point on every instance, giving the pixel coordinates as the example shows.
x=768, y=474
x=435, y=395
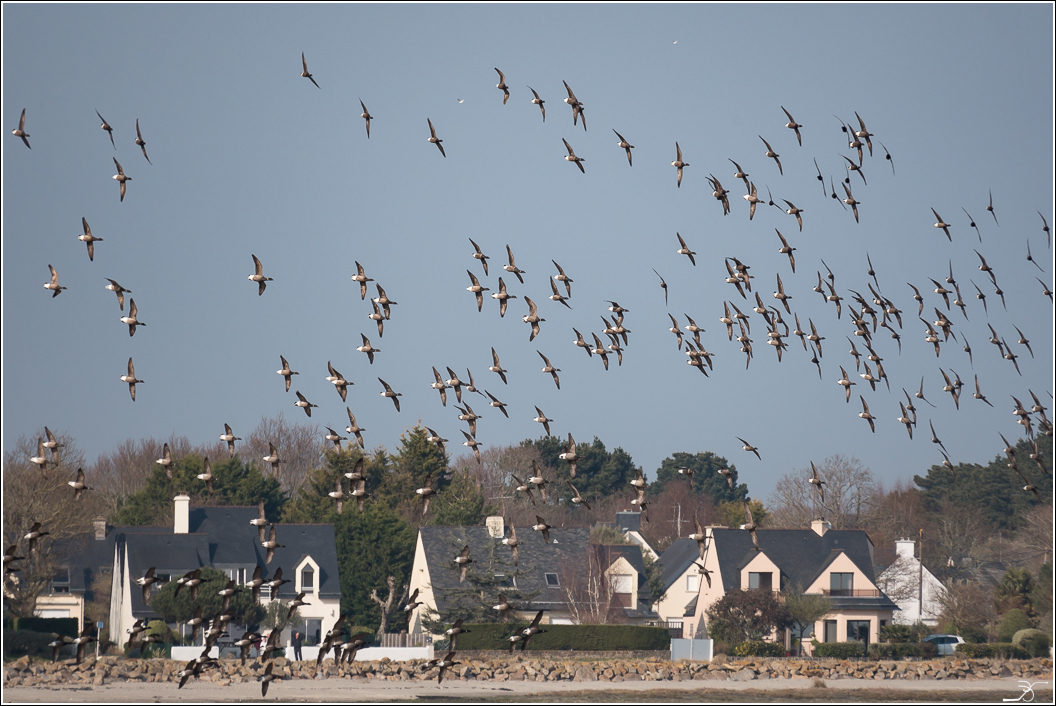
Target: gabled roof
x=566, y=548
x=800, y=554
x=677, y=559
x=632, y=553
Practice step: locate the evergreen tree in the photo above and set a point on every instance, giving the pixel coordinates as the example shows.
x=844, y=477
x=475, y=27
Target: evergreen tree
x=371, y=546
x=994, y=491
x=234, y=483
x=313, y=502
x=706, y=479
x=461, y=503
x=599, y=472
x=173, y=608
x=416, y=459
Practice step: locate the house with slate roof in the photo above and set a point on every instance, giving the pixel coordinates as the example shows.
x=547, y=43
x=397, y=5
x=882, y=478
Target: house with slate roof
x=544, y=570
x=218, y=537
x=834, y=563
x=682, y=582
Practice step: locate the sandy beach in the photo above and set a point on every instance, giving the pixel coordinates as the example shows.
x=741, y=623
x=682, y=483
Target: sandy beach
x=363, y=690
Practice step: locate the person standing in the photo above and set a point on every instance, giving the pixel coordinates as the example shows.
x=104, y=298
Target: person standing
x=298, y=640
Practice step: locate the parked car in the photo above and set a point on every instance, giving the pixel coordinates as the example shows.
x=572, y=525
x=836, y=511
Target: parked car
x=946, y=644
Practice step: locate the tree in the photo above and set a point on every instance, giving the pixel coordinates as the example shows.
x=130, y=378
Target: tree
x=460, y=504
x=385, y=607
x=742, y=616
x=706, y=479
x=851, y=492
x=1014, y=592
x=234, y=483
x=118, y=474
x=731, y=514
x=805, y=609
x=599, y=472
x=277, y=616
x=590, y=592
x=416, y=459
x=994, y=491
x=300, y=447
x=967, y=609
x=313, y=503
x=34, y=495
x=371, y=546
x=173, y=608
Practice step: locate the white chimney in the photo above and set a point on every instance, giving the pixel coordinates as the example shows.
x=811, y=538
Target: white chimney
x=496, y=527
x=182, y=521
x=904, y=548
x=820, y=526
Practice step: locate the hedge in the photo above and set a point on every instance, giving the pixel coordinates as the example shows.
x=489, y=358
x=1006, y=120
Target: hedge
x=63, y=626
x=840, y=650
x=760, y=649
x=27, y=642
x=1004, y=650
x=901, y=650
x=493, y=636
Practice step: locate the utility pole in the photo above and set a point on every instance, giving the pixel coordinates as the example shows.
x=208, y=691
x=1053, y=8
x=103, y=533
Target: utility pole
x=920, y=579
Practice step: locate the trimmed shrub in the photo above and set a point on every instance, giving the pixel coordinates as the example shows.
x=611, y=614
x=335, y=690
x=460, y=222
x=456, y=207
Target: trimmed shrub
x=840, y=650
x=27, y=642
x=759, y=649
x=1036, y=642
x=602, y=638
x=901, y=650
x=1003, y=650
x=1014, y=621
x=63, y=626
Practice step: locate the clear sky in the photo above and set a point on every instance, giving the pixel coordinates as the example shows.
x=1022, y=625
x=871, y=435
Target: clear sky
x=251, y=158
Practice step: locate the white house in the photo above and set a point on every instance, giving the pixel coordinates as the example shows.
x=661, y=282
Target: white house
x=906, y=582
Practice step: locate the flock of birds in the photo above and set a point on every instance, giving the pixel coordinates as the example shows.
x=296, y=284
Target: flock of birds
x=867, y=314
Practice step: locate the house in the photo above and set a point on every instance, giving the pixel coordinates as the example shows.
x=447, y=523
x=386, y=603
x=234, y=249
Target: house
x=834, y=563
x=681, y=580
x=217, y=537
x=907, y=582
x=553, y=574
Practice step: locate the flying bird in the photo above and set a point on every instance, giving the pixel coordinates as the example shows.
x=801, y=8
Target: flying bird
x=434, y=139
x=793, y=125
x=305, y=74
x=141, y=142
x=20, y=131
x=773, y=155
x=131, y=379
x=501, y=85
x=539, y=102
x=258, y=276
x=53, y=283
x=121, y=178
x=88, y=239
x=627, y=147
x=365, y=114
x=749, y=448
x=679, y=164
x=571, y=156
x=362, y=278
x=387, y=392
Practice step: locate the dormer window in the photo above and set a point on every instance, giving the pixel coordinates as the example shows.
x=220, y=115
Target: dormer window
x=308, y=579
x=762, y=581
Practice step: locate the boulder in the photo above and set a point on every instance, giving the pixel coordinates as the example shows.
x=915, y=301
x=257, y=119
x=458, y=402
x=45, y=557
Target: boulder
x=585, y=673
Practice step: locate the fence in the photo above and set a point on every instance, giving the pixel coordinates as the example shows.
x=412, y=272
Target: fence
x=414, y=639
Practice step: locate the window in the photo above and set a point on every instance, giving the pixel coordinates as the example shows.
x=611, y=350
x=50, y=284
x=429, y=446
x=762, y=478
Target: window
x=830, y=631
x=308, y=579
x=841, y=584
x=693, y=583
x=504, y=581
x=551, y=581
x=621, y=583
x=858, y=631
x=760, y=581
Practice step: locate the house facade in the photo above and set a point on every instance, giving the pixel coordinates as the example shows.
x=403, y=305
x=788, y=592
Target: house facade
x=834, y=563
x=915, y=589
x=681, y=580
x=218, y=537
x=548, y=576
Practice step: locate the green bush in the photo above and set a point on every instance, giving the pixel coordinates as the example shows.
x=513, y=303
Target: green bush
x=1014, y=621
x=27, y=642
x=901, y=650
x=840, y=650
x=1036, y=642
x=759, y=649
x=1004, y=650
x=602, y=638
x=63, y=626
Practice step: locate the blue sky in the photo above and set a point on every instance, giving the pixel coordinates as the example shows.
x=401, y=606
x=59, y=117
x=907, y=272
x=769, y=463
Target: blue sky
x=249, y=157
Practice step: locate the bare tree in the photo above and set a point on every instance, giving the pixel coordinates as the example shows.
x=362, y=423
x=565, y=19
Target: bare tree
x=590, y=590
x=967, y=606
x=31, y=497
x=851, y=492
x=959, y=538
x=386, y=605
x=117, y=474
x=300, y=447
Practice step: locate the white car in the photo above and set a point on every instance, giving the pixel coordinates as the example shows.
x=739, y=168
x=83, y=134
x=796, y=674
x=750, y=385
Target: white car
x=947, y=644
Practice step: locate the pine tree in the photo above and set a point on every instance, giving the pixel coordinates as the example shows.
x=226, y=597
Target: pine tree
x=706, y=479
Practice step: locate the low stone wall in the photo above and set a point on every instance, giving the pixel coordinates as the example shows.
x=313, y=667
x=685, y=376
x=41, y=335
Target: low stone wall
x=23, y=672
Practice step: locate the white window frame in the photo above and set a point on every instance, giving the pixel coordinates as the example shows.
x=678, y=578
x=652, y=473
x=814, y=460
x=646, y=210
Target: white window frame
x=307, y=561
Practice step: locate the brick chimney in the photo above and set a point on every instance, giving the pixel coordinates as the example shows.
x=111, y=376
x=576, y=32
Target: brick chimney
x=182, y=520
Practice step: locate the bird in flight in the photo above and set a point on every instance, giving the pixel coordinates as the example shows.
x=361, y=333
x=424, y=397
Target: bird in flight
x=434, y=139
x=308, y=76
x=20, y=131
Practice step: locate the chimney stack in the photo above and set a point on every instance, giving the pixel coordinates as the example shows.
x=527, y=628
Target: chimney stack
x=496, y=527
x=182, y=521
x=820, y=526
x=99, y=524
